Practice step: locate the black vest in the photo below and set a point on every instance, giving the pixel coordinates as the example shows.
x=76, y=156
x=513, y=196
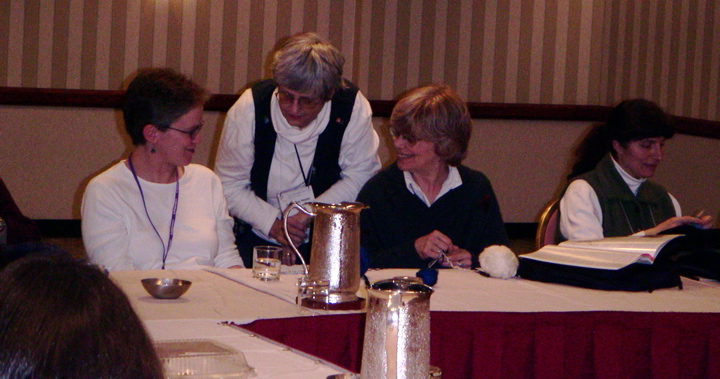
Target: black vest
x=325, y=168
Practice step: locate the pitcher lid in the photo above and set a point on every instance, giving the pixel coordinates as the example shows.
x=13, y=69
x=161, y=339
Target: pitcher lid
x=344, y=206
x=402, y=284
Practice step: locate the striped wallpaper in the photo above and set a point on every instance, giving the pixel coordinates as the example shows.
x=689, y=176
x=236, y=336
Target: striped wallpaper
x=593, y=52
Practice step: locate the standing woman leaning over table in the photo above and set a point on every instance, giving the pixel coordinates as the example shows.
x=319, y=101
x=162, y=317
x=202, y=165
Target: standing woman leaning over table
x=427, y=206
x=609, y=194
x=304, y=135
x=155, y=209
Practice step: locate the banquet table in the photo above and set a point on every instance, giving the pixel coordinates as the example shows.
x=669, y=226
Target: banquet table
x=480, y=327
x=204, y=311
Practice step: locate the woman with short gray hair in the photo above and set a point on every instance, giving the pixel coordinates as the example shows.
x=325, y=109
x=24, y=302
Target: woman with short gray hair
x=304, y=135
x=309, y=64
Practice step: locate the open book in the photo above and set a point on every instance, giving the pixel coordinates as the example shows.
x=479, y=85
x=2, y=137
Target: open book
x=608, y=253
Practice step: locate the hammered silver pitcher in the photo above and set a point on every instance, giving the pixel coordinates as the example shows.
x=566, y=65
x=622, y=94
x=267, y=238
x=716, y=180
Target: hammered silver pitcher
x=397, y=330
x=335, y=252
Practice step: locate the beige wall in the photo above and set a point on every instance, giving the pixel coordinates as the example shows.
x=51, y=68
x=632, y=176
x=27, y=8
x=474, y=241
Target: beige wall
x=595, y=52
x=49, y=154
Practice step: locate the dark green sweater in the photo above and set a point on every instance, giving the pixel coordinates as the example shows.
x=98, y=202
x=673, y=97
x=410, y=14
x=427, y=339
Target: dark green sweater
x=624, y=213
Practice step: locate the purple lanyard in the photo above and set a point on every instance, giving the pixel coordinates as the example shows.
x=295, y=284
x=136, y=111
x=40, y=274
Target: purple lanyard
x=174, y=212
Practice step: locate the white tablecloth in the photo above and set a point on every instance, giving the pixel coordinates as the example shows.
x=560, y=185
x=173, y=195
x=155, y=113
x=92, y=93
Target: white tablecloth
x=233, y=295
x=210, y=296
x=270, y=359
x=465, y=290
x=284, y=289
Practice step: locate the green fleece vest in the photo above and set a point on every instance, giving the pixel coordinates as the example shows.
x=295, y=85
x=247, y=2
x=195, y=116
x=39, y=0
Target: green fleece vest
x=624, y=213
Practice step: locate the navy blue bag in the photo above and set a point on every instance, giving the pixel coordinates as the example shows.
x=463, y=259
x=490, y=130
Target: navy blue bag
x=695, y=254
x=635, y=277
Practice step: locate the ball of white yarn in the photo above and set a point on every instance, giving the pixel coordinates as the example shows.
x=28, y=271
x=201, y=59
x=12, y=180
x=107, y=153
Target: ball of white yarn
x=499, y=261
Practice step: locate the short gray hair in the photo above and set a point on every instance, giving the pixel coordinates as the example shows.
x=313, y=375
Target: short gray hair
x=309, y=64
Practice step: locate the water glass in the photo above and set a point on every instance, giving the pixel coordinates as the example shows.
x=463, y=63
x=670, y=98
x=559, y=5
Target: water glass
x=312, y=291
x=266, y=263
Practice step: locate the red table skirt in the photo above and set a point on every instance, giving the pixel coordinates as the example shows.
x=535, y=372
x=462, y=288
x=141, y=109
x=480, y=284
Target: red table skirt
x=530, y=345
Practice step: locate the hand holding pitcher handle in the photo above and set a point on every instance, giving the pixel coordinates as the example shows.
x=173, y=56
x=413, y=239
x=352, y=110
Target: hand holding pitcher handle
x=287, y=235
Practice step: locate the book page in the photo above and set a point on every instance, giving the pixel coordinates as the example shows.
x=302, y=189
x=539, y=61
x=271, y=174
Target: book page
x=648, y=245
x=591, y=258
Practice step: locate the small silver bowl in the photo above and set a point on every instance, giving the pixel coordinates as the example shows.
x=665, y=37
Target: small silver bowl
x=166, y=288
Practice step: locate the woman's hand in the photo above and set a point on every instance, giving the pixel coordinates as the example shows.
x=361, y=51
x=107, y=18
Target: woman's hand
x=432, y=245
x=297, y=225
x=457, y=256
x=704, y=222
x=288, y=256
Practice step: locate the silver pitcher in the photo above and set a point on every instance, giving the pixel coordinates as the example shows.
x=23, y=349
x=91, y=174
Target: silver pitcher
x=397, y=330
x=335, y=253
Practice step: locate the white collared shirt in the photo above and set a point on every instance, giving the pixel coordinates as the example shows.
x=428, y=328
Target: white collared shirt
x=453, y=180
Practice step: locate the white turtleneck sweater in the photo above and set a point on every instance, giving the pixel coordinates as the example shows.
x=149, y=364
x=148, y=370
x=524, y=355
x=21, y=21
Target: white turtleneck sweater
x=358, y=159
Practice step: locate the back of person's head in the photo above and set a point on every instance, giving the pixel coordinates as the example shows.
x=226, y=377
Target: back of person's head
x=158, y=96
x=309, y=64
x=62, y=318
x=631, y=120
x=434, y=113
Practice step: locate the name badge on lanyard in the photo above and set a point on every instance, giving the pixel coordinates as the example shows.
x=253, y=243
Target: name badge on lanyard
x=301, y=194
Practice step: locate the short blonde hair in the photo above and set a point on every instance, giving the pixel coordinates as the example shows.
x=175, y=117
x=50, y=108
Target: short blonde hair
x=309, y=64
x=437, y=114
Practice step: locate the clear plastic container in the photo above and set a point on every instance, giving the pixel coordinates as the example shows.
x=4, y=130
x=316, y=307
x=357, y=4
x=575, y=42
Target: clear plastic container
x=202, y=359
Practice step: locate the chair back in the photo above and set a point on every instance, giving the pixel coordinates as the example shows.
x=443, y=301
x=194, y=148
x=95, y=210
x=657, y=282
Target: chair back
x=548, y=225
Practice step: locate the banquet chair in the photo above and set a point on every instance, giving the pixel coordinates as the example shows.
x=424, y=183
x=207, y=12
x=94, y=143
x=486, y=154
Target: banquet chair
x=547, y=231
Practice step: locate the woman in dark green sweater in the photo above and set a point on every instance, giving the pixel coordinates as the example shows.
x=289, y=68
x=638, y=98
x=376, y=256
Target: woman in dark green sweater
x=426, y=206
x=609, y=194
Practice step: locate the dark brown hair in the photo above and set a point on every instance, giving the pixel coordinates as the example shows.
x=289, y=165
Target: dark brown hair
x=158, y=96
x=631, y=120
x=62, y=318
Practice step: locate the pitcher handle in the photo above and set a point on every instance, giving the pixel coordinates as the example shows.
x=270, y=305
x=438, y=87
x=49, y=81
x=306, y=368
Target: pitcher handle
x=287, y=235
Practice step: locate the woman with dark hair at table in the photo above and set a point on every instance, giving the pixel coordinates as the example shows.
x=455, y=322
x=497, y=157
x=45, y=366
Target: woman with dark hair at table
x=155, y=209
x=609, y=194
x=304, y=135
x=62, y=318
x=427, y=206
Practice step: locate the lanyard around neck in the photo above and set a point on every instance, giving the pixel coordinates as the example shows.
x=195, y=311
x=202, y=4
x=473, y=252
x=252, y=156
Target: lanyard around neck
x=307, y=178
x=632, y=229
x=166, y=250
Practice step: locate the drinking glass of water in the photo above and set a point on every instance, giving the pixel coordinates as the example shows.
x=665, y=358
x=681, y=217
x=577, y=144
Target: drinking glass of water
x=266, y=262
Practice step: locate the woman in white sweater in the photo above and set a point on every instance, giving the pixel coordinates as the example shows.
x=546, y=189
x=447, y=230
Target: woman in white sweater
x=156, y=210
